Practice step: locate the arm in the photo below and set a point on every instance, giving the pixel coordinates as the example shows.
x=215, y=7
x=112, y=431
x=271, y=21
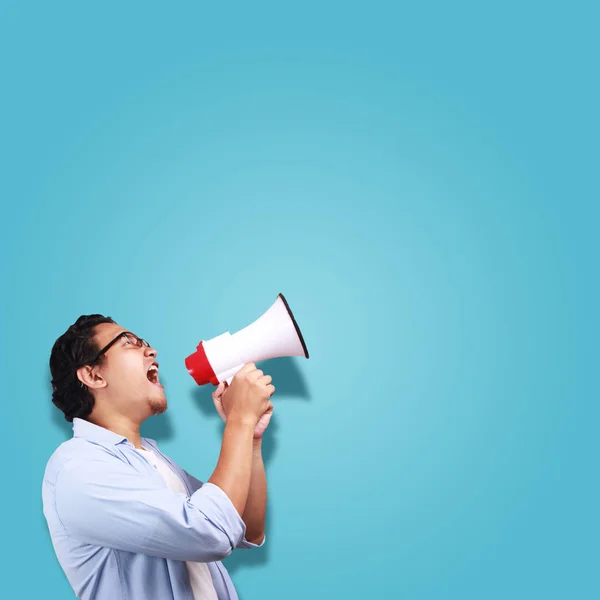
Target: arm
x=103, y=502
x=256, y=505
x=245, y=404
x=234, y=468
x=254, y=512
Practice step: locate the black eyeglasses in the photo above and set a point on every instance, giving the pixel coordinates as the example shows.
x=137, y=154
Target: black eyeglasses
x=133, y=339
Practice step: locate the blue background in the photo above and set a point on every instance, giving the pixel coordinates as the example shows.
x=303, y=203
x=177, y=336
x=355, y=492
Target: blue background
x=421, y=182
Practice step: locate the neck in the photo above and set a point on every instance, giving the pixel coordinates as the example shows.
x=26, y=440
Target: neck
x=122, y=425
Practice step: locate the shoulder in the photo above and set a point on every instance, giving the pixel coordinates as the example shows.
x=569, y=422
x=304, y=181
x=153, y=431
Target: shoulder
x=73, y=452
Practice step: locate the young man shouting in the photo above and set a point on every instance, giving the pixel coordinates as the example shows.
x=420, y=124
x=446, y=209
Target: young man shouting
x=125, y=520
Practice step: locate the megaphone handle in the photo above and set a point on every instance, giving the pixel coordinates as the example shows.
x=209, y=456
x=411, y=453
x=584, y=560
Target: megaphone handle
x=229, y=374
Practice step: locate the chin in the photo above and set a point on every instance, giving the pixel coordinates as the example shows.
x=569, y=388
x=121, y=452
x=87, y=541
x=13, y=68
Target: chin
x=158, y=405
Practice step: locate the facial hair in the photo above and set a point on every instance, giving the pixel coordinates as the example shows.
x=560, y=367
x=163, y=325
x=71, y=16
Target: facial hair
x=158, y=406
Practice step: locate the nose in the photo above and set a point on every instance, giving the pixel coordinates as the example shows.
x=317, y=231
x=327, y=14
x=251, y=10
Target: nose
x=150, y=352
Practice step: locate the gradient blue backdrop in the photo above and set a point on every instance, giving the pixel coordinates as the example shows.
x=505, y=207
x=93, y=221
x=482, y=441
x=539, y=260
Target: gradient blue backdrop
x=421, y=182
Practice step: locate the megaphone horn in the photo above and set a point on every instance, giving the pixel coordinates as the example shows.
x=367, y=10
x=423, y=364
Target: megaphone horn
x=272, y=335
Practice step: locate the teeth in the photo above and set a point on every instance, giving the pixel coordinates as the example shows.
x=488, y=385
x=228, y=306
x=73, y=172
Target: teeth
x=154, y=371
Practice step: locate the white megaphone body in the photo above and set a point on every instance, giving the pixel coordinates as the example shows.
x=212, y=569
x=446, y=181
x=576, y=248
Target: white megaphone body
x=272, y=335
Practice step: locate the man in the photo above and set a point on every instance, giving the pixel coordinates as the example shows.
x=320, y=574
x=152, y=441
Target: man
x=125, y=520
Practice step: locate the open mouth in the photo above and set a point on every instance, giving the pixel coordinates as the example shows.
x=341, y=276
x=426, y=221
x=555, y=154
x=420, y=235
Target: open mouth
x=152, y=374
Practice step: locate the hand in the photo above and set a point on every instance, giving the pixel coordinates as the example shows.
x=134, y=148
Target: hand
x=263, y=422
x=249, y=396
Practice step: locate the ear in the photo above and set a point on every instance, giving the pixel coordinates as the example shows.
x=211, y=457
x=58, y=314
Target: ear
x=90, y=377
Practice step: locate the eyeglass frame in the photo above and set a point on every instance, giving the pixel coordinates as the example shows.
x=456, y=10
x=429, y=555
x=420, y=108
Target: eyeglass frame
x=114, y=341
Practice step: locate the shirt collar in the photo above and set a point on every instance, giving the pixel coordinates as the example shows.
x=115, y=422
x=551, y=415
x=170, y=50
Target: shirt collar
x=95, y=433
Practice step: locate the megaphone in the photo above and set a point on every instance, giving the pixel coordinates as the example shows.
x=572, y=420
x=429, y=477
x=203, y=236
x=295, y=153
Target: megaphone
x=272, y=335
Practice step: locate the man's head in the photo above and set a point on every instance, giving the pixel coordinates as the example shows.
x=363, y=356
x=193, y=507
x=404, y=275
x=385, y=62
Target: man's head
x=97, y=381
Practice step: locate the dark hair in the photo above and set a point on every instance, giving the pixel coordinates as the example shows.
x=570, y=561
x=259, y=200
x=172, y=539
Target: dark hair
x=70, y=351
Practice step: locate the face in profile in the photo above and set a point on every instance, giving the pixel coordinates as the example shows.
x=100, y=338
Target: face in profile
x=127, y=379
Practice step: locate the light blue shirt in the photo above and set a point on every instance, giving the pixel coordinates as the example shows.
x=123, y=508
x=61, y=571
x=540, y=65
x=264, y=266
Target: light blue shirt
x=120, y=533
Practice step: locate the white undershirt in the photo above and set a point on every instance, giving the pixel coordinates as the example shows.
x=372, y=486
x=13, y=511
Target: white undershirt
x=200, y=579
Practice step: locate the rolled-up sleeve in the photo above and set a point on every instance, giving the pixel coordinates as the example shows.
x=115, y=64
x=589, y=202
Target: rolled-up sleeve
x=245, y=544
x=197, y=484
x=104, y=502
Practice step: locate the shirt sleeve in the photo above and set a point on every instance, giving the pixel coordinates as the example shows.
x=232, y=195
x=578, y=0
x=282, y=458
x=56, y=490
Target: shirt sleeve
x=103, y=502
x=196, y=484
x=245, y=544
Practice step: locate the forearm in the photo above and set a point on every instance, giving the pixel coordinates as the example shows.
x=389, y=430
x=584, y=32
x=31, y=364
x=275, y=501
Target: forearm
x=256, y=504
x=234, y=467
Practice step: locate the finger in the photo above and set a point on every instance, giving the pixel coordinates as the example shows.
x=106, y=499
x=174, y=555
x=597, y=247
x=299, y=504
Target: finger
x=265, y=379
x=256, y=375
x=218, y=392
x=220, y=409
x=248, y=368
x=271, y=389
